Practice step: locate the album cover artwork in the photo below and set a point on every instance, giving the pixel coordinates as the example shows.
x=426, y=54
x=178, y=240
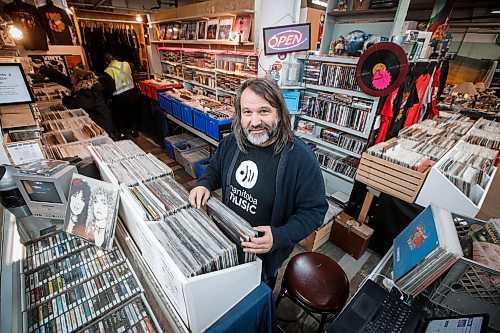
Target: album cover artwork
x=55, y=61
x=225, y=26
x=191, y=31
x=242, y=25
x=169, y=32
x=176, y=30
x=212, y=26
x=184, y=31
x=92, y=210
x=73, y=61
x=202, y=30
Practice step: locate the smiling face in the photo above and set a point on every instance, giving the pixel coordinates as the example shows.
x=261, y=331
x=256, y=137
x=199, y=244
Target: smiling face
x=259, y=119
x=100, y=207
x=77, y=204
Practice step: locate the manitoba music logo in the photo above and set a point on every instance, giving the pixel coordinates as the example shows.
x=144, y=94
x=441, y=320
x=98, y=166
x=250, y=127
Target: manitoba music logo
x=246, y=175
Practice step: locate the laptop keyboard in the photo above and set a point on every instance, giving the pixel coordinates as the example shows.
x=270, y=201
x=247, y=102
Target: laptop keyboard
x=391, y=317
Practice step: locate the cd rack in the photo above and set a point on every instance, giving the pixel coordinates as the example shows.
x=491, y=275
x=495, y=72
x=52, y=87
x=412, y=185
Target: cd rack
x=81, y=288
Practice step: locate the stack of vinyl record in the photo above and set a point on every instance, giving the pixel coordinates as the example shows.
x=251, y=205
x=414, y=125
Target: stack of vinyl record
x=195, y=243
x=119, y=150
x=139, y=169
x=233, y=226
x=170, y=193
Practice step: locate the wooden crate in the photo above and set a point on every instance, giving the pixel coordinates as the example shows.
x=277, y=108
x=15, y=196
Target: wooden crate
x=391, y=178
x=317, y=238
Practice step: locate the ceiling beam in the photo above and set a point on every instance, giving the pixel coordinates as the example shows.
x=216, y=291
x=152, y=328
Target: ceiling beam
x=97, y=3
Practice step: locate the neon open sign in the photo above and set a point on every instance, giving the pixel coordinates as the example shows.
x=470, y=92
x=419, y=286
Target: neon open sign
x=289, y=38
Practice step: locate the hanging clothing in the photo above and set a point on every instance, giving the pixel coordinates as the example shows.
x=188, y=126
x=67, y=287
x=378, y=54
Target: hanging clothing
x=26, y=19
x=56, y=22
x=406, y=98
x=122, y=43
x=386, y=114
x=422, y=84
x=436, y=87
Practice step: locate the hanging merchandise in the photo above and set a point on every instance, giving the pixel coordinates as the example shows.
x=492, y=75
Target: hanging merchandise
x=118, y=39
x=381, y=69
x=26, y=19
x=56, y=22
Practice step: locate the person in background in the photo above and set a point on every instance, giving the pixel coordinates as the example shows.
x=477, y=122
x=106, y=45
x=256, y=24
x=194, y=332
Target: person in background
x=268, y=176
x=86, y=93
x=119, y=84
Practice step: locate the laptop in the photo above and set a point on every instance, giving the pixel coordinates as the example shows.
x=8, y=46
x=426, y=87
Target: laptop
x=374, y=309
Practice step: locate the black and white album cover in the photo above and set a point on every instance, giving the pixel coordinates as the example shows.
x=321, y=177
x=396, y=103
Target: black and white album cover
x=92, y=210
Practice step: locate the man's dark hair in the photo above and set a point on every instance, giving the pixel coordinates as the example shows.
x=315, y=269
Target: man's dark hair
x=270, y=91
x=108, y=57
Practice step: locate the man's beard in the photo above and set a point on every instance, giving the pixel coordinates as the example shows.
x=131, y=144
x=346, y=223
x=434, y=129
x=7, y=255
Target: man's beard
x=262, y=138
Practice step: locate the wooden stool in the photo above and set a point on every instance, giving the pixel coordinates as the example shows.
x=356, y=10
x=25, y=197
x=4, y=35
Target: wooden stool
x=317, y=284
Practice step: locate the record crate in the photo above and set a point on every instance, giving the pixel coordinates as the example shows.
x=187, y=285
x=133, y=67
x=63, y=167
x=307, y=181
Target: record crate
x=216, y=128
x=318, y=237
x=187, y=114
x=200, y=120
x=177, y=109
x=170, y=141
x=185, y=146
x=391, y=178
x=201, y=166
x=165, y=102
x=469, y=286
x=192, y=157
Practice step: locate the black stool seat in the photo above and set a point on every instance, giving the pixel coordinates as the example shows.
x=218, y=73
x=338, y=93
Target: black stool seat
x=317, y=284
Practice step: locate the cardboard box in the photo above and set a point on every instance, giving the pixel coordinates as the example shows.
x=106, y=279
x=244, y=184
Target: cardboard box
x=317, y=238
x=350, y=235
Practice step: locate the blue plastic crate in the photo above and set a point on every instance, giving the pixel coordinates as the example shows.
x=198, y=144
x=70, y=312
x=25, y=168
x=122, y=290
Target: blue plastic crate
x=217, y=127
x=165, y=102
x=200, y=120
x=201, y=166
x=177, y=109
x=292, y=99
x=169, y=148
x=187, y=114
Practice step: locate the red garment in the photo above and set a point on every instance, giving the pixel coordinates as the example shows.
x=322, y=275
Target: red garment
x=386, y=116
x=433, y=111
x=421, y=84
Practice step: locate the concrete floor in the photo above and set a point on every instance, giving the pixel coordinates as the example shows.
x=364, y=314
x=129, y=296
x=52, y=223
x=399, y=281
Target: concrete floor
x=292, y=317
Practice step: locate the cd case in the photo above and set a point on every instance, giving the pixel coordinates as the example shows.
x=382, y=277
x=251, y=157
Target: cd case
x=92, y=210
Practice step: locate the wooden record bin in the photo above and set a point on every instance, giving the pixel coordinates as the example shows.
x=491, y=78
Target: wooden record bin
x=391, y=178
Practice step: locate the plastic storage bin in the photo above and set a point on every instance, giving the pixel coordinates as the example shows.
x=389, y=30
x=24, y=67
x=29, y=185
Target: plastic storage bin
x=216, y=128
x=165, y=102
x=187, y=114
x=200, y=120
x=170, y=141
x=185, y=146
x=177, y=109
x=201, y=166
x=192, y=158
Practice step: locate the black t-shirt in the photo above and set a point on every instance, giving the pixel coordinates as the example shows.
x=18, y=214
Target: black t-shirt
x=407, y=97
x=56, y=22
x=26, y=19
x=253, y=185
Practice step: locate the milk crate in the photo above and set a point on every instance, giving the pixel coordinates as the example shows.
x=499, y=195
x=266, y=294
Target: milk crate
x=469, y=286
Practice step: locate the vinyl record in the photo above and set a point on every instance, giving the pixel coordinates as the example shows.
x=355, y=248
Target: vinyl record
x=381, y=69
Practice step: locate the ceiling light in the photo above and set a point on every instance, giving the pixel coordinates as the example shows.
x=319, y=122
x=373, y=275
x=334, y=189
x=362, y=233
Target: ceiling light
x=138, y=18
x=495, y=11
x=15, y=33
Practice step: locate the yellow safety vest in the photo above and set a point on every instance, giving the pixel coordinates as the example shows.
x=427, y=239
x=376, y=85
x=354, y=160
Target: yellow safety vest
x=122, y=74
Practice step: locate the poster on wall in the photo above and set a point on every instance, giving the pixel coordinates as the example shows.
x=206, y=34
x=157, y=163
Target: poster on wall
x=212, y=28
x=225, y=29
x=73, y=61
x=191, y=31
x=54, y=61
x=202, y=30
x=242, y=25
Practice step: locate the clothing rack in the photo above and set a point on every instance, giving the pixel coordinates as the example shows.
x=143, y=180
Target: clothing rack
x=107, y=21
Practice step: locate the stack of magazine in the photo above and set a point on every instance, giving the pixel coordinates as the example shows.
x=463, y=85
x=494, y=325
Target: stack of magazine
x=233, y=226
x=195, y=243
x=425, y=249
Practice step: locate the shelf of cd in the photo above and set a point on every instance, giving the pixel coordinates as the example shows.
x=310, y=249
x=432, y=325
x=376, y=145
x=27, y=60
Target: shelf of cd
x=174, y=76
x=171, y=63
x=332, y=125
x=202, y=41
x=327, y=144
x=335, y=59
x=336, y=174
x=200, y=85
x=340, y=91
x=192, y=130
x=203, y=69
x=226, y=91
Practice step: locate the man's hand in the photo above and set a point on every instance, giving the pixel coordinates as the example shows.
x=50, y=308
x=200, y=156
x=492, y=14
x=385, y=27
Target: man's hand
x=262, y=244
x=199, y=196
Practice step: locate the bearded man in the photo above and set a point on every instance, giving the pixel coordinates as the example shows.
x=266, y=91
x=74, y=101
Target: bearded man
x=268, y=177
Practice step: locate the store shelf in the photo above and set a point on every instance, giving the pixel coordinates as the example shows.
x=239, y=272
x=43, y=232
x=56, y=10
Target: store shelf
x=174, y=76
x=292, y=88
x=204, y=69
x=325, y=58
x=200, y=85
x=236, y=73
x=326, y=144
x=226, y=91
x=205, y=16
x=332, y=125
x=363, y=13
x=341, y=91
x=171, y=63
x=212, y=42
x=341, y=176
x=192, y=130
